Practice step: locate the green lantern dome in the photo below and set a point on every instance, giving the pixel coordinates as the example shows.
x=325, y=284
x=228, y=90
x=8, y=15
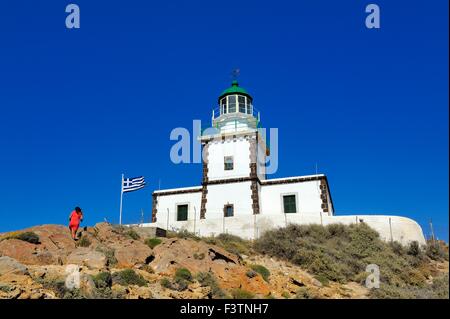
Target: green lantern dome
x=235, y=89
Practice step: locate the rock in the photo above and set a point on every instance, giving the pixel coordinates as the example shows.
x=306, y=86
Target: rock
x=105, y=233
x=87, y=285
x=86, y=257
x=136, y=292
x=130, y=253
x=15, y=286
x=119, y=290
x=9, y=265
x=230, y=272
x=316, y=283
x=20, y=250
x=149, y=232
x=55, y=244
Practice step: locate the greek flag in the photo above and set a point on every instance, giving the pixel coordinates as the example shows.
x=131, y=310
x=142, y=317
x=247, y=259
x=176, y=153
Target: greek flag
x=133, y=184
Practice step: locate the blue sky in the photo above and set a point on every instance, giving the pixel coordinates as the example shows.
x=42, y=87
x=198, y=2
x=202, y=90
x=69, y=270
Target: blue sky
x=81, y=107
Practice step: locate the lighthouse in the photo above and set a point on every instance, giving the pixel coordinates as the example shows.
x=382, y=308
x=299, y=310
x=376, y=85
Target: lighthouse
x=236, y=196
x=234, y=157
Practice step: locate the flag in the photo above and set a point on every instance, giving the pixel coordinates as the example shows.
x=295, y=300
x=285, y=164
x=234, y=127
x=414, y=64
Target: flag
x=133, y=184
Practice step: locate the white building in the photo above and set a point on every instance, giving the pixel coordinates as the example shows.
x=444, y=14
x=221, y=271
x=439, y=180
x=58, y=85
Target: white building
x=236, y=197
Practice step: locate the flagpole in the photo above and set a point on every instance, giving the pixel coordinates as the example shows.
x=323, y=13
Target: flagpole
x=121, y=197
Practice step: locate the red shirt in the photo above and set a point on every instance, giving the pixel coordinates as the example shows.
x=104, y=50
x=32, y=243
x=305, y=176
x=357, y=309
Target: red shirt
x=75, y=218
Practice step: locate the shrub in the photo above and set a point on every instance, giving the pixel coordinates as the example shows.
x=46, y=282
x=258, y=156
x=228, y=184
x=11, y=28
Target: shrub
x=133, y=234
x=436, y=250
x=148, y=269
x=413, y=249
x=183, y=273
x=341, y=253
x=183, y=234
x=233, y=244
x=304, y=293
x=109, y=253
x=200, y=256
x=285, y=294
x=60, y=289
x=102, y=280
x=251, y=273
x=5, y=288
x=208, y=279
x=263, y=271
x=324, y=280
x=118, y=229
x=397, y=248
x=440, y=287
x=128, y=277
x=239, y=293
x=180, y=284
x=28, y=236
x=166, y=283
x=152, y=242
x=84, y=242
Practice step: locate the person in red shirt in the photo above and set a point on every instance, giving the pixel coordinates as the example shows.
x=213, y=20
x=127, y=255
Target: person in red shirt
x=76, y=216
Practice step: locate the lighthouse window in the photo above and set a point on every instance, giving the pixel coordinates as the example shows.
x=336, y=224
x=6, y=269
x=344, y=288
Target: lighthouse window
x=223, y=105
x=182, y=212
x=249, y=106
x=241, y=100
x=228, y=210
x=228, y=162
x=289, y=204
x=231, y=103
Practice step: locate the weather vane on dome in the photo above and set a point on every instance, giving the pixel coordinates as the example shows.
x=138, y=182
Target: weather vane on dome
x=235, y=73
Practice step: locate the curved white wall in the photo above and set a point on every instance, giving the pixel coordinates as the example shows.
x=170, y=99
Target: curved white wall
x=404, y=230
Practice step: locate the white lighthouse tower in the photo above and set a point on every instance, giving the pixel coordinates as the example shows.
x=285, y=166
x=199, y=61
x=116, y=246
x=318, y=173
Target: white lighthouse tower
x=234, y=156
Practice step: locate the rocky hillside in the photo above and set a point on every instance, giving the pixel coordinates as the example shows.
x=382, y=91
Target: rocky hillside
x=120, y=262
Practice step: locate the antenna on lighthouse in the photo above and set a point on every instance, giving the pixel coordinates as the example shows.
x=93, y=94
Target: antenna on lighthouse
x=235, y=73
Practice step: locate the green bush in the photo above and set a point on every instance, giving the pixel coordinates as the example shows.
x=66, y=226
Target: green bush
x=341, y=253
x=183, y=273
x=263, y=271
x=251, y=273
x=28, y=236
x=200, y=256
x=180, y=284
x=60, y=289
x=133, y=234
x=285, y=295
x=304, y=293
x=233, y=244
x=183, y=234
x=239, y=293
x=323, y=280
x=102, y=280
x=437, y=250
x=208, y=279
x=5, y=288
x=166, y=283
x=152, y=242
x=397, y=248
x=84, y=242
x=414, y=249
x=128, y=277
